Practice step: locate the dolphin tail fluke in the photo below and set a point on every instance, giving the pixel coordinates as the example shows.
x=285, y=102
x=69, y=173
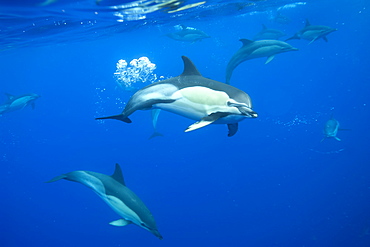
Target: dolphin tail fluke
x=120, y=117
x=155, y=134
x=63, y=176
x=295, y=36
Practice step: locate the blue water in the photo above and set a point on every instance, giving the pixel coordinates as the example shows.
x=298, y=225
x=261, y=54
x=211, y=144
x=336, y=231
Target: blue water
x=272, y=184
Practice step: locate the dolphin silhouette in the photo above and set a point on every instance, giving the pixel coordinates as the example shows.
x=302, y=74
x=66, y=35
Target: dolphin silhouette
x=188, y=34
x=18, y=102
x=331, y=129
x=256, y=49
x=268, y=33
x=193, y=96
x=113, y=190
x=313, y=32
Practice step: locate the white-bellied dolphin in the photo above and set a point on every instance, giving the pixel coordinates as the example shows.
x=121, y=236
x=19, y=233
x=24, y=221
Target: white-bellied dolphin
x=188, y=34
x=256, y=49
x=193, y=96
x=331, y=129
x=268, y=33
x=313, y=32
x=113, y=190
x=18, y=102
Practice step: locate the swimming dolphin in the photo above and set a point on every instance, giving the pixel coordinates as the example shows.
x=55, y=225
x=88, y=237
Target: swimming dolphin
x=268, y=33
x=18, y=102
x=331, y=129
x=193, y=96
x=188, y=34
x=256, y=49
x=113, y=190
x=313, y=33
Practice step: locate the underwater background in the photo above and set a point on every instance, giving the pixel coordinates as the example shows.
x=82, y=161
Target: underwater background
x=275, y=183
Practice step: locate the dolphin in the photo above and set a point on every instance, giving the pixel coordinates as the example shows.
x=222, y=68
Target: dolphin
x=331, y=129
x=268, y=33
x=193, y=96
x=256, y=49
x=18, y=102
x=188, y=34
x=313, y=32
x=113, y=190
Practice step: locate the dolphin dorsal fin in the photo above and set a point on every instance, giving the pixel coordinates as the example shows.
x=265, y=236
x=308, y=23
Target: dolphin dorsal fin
x=189, y=67
x=307, y=23
x=10, y=96
x=246, y=41
x=117, y=175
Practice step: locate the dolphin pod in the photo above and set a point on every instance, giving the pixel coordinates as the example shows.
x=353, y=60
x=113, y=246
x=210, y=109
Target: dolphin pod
x=18, y=102
x=256, y=49
x=193, y=96
x=112, y=189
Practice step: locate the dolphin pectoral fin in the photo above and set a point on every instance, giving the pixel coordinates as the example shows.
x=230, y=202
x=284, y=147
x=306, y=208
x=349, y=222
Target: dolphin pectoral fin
x=206, y=121
x=120, y=117
x=120, y=222
x=269, y=59
x=323, y=139
x=57, y=178
x=33, y=106
x=233, y=128
x=336, y=138
x=325, y=38
x=198, y=125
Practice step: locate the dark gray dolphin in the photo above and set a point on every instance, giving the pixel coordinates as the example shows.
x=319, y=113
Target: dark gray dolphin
x=268, y=33
x=113, y=190
x=18, y=102
x=256, y=49
x=188, y=34
x=193, y=96
x=313, y=33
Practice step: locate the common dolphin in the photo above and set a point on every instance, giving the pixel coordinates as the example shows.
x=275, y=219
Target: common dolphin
x=193, y=96
x=188, y=34
x=256, y=49
x=113, y=190
x=268, y=33
x=18, y=102
x=331, y=129
x=313, y=32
